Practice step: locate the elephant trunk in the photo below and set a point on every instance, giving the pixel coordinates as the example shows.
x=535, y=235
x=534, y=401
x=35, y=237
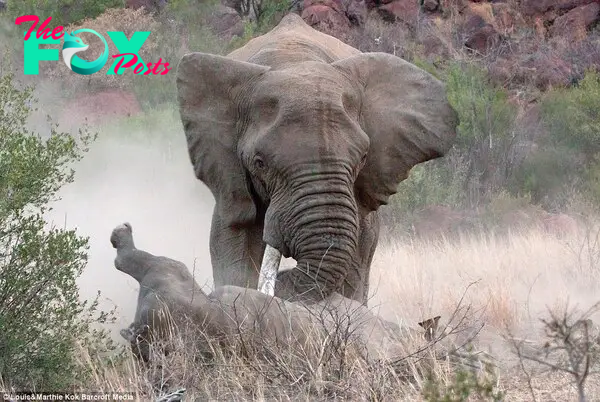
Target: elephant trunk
x=321, y=233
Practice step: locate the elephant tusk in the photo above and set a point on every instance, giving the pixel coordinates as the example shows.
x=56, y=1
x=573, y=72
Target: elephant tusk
x=268, y=270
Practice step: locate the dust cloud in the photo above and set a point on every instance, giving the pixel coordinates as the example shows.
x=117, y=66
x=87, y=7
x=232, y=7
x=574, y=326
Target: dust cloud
x=126, y=180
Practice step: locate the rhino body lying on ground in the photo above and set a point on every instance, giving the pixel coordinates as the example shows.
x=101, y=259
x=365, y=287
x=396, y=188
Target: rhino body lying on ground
x=169, y=295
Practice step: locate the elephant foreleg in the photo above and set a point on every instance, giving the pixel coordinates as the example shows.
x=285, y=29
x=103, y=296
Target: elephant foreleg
x=236, y=253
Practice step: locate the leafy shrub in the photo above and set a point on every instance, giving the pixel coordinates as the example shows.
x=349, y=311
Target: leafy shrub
x=479, y=165
x=265, y=14
x=566, y=159
x=63, y=12
x=485, y=133
x=437, y=182
x=593, y=179
x=465, y=385
x=41, y=317
x=270, y=13
x=572, y=116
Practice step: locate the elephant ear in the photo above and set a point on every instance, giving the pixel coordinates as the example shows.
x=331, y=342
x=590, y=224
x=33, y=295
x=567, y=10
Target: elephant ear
x=407, y=117
x=207, y=89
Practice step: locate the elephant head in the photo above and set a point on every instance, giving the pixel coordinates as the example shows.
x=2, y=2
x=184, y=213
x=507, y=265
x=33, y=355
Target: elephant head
x=306, y=152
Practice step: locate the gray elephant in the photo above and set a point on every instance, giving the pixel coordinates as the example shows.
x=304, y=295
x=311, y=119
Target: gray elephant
x=169, y=298
x=301, y=139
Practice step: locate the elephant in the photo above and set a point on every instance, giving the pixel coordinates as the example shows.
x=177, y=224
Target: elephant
x=169, y=296
x=300, y=139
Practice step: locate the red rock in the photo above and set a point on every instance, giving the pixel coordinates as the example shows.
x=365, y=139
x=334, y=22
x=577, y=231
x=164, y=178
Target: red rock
x=327, y=20
x=502, y=71
x=540, y=29
x=406, y=11
x=574, y=24
x=479, y=35
x=549, y=70
x=336, y=5
x=542, y=69
x=434, y=47
x=356, y=11
x=533, y=7
x=506, y=18
x=431, y=5
x=226, y=22
x=235, y=4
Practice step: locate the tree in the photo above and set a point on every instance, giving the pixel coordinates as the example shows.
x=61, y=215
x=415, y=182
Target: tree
x=41, y=317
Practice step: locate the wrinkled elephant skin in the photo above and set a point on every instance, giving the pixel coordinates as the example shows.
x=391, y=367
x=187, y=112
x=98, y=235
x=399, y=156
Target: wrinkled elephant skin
x=301, y=139
x=170, y=298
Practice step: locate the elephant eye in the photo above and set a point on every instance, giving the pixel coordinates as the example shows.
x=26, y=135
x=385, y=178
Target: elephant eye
x=258, y=162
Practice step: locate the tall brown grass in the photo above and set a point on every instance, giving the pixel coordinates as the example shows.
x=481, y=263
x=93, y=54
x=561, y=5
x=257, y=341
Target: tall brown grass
x=508, y=281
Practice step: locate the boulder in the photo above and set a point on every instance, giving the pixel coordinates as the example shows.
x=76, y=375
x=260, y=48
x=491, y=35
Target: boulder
x=235, y=4
x=327, y=16
x=506, y=18
x=430, y=5
x=542, y=70
x=537, y=7
x=406, y=11
x=540, y=29
x=479, y=35
x=574, y=24
x=433, y=46
x=336, y=5
x=504, y=72
x=549, y=70
x=226, y=22
x=585, y=54
x=356, y=11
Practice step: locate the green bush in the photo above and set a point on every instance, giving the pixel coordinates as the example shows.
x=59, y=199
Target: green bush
x=63, y=12
x=566, y=160
x=268, y=15
x=478, y=166
x=437, y=182
x=485, y=136
x=593, y=179
x=486, y=116
x=465, y=385
x=42, y=320
x=549, y=175
x=572, y=116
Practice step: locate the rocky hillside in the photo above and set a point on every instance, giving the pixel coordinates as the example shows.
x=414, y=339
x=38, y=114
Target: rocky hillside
x=544, y=42
x=514, y=69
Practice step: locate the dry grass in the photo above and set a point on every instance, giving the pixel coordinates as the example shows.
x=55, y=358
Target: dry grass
x=517, y=279
x=510, y=282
